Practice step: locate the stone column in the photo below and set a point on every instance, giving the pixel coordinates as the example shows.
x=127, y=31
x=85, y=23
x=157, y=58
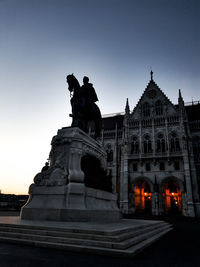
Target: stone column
x=154, y=203
x=194, y=182
x=167, y=138
x=153, y=139
x=190, y=203
x=184, y=203
x=124, y=184
x=160, y=203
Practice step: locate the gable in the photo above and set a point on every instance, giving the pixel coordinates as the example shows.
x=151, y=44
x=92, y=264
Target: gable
x=153, y=103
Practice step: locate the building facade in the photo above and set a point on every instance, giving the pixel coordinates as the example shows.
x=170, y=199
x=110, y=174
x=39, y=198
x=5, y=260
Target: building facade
x=153, y=155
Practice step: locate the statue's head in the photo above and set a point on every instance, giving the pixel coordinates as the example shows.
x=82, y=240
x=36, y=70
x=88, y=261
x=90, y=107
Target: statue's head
x=72, y=82
x=70, y=79
x=85, y=79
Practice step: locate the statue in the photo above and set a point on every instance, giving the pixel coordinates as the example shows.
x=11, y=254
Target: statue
x=52, y=176
x=83, y=104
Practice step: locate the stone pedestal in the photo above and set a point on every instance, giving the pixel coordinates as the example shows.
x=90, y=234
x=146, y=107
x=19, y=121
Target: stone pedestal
x=60, y=194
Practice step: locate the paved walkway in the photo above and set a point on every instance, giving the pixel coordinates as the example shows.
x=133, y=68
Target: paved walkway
x=180, y=247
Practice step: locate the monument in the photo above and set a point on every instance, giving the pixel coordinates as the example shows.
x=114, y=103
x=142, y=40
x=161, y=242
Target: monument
x=70, y=204
x=71, y=188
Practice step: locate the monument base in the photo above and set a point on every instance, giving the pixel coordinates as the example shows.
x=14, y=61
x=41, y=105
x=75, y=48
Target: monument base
x=54, y=204
x=60, y=193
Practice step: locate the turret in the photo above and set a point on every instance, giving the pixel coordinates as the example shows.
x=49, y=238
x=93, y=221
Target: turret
x=181, y=105
x=151, y=75
x=127, y=108
x=180, y=98
x=126, y=120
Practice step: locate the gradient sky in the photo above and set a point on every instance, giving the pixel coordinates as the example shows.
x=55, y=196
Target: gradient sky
x=114, y=42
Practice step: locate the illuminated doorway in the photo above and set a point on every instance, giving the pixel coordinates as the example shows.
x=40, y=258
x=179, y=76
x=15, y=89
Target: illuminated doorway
x=142, y=194
x=171, y=198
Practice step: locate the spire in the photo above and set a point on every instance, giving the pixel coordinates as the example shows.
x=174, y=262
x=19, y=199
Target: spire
x=179, y=93
x=181, y=105
x=151, y=73
x=127, y=108
x=180, y=98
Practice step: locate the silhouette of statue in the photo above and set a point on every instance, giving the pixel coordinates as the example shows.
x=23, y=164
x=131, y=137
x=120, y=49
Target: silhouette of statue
x=83, y=104
x=46, y=167
x=89, y=91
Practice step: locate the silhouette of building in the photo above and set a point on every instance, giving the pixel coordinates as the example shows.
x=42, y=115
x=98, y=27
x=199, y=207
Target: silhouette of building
x=153, y=155
x=12, y=202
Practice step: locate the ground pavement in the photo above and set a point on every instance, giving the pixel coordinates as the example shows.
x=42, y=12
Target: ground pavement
x=180, y=247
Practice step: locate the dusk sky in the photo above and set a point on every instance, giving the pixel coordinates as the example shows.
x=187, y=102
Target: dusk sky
x=113, y=42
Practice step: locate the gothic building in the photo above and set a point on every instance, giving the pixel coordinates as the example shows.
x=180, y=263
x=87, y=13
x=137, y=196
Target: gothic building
x=153, y=155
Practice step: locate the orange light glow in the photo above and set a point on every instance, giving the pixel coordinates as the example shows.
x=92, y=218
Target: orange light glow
x=142, y=199
x=172, y=199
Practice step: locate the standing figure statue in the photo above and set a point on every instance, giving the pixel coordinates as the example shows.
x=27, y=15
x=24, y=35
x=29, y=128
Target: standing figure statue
x=88, y=92
x=83, y=104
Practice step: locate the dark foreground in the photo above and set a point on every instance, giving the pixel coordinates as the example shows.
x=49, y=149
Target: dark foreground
x=180, y=247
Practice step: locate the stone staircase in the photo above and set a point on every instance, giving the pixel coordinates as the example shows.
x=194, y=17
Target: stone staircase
x=121, y=239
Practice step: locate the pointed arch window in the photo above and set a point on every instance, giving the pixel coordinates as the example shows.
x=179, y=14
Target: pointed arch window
x=161, y=144
x=159, y=108
x=146, y=109
x=147, y=145
x=109, y=153
x=174, y=143
x=134, y=145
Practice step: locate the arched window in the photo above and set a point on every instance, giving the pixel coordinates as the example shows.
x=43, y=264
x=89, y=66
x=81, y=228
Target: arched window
x=147, y=147
x=174, y=143
x=159, y=108
x=146, y=109
x=161, y=146
x=109, y=152
x=134, y=145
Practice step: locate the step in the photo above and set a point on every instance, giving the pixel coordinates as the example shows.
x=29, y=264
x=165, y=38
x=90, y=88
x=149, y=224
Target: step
x=130, y=252
x=77, y=229
x=132, y=241
x=84, y=242
x=52, y=233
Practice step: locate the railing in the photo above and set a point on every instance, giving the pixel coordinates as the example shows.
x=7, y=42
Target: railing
x=112, y=114
x=192, y=103
x=156, y=154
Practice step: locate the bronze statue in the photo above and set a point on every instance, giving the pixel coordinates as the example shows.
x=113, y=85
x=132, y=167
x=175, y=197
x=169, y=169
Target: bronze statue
x=83, y=104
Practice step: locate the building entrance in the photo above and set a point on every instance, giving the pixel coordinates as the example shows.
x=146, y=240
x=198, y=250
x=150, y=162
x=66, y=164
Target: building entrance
x=171, y=198
x=142, y=194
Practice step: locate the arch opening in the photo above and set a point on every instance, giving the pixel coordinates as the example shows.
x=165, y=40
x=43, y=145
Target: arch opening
x=95, y=176
x=171, y=194
x=142, y=201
